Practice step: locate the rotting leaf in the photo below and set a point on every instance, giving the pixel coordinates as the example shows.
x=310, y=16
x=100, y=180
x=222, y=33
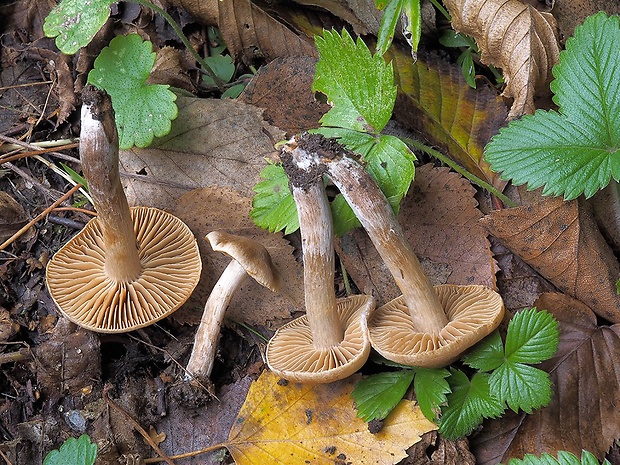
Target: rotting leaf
x=435, y=101
x=514, y=37
x=289, y=423
x=440, y=219
x=560, y=240
x=586, y=384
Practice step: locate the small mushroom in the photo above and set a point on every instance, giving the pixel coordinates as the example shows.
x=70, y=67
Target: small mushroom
x=128, y=267
x=331, y=341
x=427, y=325
x=249, y=257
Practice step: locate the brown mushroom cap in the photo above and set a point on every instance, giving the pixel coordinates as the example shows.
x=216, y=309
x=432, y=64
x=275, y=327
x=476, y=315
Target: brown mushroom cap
x=250, y=254
x=171, y=268
x=292, y=355
x=473, y=312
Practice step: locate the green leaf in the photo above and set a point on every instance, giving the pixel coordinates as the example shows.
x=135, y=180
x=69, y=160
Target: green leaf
x=488, y=354
x=564, y=458
x=142, y=110
x=385, y=36
x=77, y=177
x=273, y=206
x=359, y=86
x=74, y=23
x=574, y=150
x=468, y=404
x=466, y=61
x=533, y=336
x=520, y=386
x=73, y=451
x=376, y=395
x=412, y=23
x=344, y=218
x=222, y=66
x=430, y=386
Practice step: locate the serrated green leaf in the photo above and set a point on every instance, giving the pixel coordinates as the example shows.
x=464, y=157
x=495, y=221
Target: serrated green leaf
x=574, y=150
x=520, y=386
x=359, y=86
x=468, y=404
x=73, y=451
x=376, y=395
x=344, y=218
x=273, y=206
x=389, y=19
x=412, y=23
x=564, y=458
x=74, y=23
x=533, y=336
x=143, y=111
x=430, y=386
x=488, y=354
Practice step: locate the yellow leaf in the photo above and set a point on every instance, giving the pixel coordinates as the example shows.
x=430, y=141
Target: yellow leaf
x=290, y=423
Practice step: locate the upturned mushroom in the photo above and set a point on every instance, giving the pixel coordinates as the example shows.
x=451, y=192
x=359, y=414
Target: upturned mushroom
x=428, y=326
x=127, y=268
x=248, y=258
x=331, y=341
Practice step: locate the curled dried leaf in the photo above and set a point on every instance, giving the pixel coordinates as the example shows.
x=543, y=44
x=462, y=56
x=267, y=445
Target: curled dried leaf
x=515, y=37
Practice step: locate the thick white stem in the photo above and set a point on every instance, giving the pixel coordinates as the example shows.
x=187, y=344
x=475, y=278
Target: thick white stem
x=202, y=358
x=99, y=155
x=317, y=239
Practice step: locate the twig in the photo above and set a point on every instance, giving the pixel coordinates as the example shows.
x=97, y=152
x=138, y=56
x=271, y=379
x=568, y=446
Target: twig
x=20, y=355
x=30, y=179
x=221, y=445
x=17, y=156
x=15, y=236
x=136, y=425
x=34, y=146
x=6, y=459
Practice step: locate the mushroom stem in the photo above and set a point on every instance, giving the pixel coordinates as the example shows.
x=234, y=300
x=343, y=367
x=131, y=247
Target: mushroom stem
x=375, y=213
x=317, y=241
x=99, y=154
x=202, y=358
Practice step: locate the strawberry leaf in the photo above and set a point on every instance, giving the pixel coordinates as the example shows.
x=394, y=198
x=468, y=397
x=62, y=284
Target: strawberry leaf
x=273, y=206
x=74, y=451
x=574, y=150
x=430, y=386
x=564, y=458
x=376, y=395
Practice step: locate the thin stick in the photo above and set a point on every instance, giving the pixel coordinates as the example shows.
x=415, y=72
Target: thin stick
x=6, y=459
x=221, y=445
x=62, y=156
x=17, y=86
x=20, y=355
x=136, y=425
x=17, y=156
x=15, y=236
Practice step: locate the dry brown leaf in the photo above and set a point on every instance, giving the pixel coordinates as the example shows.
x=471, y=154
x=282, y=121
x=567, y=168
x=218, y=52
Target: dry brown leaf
x=169, y=69
x=561, y=241
x=208, y=209
x=583, y=413
x=362, y=15
x=251, y=34
x=571, y=13
x=284, y=89
x=297, y=424
x=514, y=37
x=440, y=220
x=12, y=216
x=205, y=11
x=212, y=143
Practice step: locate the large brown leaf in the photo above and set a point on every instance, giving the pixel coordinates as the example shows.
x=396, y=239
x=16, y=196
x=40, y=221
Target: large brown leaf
x=435, y=101
x=440, y=220
x=583, y=413
x=561, y=241
x=515, y=37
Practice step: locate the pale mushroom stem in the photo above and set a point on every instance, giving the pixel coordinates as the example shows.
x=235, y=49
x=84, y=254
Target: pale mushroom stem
x=99, y=155
x=317, y=241
x=375, y=213
x=202, y=358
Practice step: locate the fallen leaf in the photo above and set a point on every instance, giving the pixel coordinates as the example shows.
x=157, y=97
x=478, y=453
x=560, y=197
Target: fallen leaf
x=362, y=15
x=168, y=69
x=435, y=101
x=440, y=220
x=289, y=423
x=571, y=13
x=284, y=89
x=514, y=37
x=203, y=10
x=444, y=451
x=212, y=143
x=561, y=241
x=12, y=216
x=208, y=209
x=253, y=35
x=586, y=384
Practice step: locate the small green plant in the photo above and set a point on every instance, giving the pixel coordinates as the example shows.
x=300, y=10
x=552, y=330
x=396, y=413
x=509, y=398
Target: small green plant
x=143, y=110
x=564, y=458
x=574, y=150
x=362, y=104
x=74, y=452
x=503, y=377
x=408, y=11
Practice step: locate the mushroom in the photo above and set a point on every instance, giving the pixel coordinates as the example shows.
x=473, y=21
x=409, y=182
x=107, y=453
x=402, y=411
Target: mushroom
x=127, y=268
x=249, y=257
x=428, y=326
x=331, y=341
